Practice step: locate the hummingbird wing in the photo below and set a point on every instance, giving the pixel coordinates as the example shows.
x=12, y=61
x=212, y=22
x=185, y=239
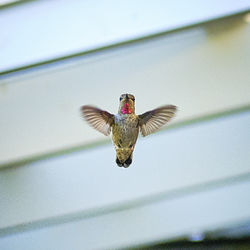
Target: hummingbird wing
x=152, y=120
x=98, y=119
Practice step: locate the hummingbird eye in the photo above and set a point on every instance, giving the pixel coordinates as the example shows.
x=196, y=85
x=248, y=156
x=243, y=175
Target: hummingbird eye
x=120, y=98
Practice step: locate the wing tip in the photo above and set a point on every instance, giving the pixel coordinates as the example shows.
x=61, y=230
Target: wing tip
x=84, y=108
x=170, y=106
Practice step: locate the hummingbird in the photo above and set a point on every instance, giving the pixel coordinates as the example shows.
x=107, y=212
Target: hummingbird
x=125, y=125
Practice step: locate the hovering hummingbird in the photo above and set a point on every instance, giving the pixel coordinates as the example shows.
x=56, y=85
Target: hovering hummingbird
x=126, y=124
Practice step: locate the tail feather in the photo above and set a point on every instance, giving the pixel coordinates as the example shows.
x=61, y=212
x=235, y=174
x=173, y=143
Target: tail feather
x=126, y=163
x=124, y=157
x=118, y=162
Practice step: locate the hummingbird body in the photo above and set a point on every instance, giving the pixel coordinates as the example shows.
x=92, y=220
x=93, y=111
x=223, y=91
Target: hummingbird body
x=125, y=125
x=125, y=131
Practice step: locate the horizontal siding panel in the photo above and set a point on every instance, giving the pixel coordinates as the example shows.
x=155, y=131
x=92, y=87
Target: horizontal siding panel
x=202, y=71
x=181, y=217
x=87, y=180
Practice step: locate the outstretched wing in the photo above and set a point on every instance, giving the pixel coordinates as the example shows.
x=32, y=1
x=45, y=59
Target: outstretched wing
x=152, y=120
x=99, y=119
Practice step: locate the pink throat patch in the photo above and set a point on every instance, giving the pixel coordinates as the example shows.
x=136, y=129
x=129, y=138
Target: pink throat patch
x=126, y=109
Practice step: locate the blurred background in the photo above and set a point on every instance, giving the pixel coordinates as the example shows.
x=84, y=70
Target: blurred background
x=189, y=184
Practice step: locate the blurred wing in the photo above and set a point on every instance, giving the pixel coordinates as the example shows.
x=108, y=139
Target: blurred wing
x=99, y=119
x=154, y=119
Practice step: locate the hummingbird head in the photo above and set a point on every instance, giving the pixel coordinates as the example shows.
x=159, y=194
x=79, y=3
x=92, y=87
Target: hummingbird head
x=127, y=104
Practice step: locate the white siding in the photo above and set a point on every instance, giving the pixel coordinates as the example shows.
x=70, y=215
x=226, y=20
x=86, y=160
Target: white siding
x=202, y=71
x=188, y=179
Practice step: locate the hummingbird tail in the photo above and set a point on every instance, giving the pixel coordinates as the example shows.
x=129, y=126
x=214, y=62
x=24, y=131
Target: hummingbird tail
x=126, y=163
x=124, y=157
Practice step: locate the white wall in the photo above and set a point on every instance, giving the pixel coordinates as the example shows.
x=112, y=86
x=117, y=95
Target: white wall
x=202, y=71
x=183, y=180
x=196, y=179
x=42, y=30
